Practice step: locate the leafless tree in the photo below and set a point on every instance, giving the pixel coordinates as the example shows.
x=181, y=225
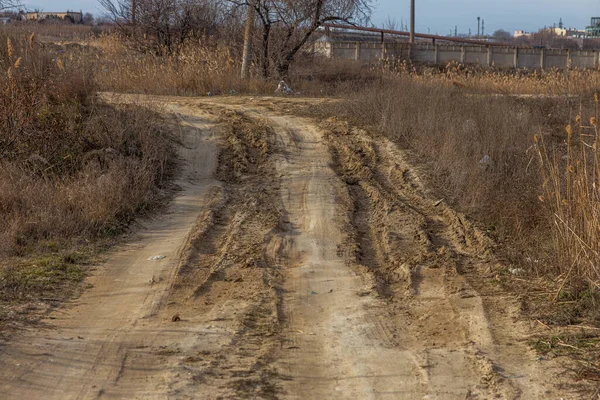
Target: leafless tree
x=88, y=18
x=502, y=35
x=287, y=25
x=165, y=24
x=10, y=4
x=391, y=24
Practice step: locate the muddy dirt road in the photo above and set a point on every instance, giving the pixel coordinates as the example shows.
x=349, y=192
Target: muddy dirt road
x=299, y=260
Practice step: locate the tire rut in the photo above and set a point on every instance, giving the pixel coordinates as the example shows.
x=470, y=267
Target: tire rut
x=449, y=332
x=318, y=266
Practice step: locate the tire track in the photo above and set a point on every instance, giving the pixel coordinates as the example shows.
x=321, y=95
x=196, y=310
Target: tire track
x=311, y=264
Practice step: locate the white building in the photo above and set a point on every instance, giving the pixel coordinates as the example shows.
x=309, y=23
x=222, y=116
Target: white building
x=521, y=33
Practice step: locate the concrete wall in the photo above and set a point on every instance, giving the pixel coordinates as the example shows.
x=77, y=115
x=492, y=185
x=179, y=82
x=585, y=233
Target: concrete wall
x=507, y=57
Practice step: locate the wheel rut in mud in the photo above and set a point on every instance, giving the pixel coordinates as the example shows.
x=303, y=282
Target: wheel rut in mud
x=304, y=260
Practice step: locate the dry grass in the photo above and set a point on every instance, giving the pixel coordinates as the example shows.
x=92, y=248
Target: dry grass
x=475, y=147
x=73, y=167
x=548, y=82
x=57, y=32
x=74, y=172
x=481, y=157
x=209, y=66
x=196, y=68
x=539, y=199
x=571, y=192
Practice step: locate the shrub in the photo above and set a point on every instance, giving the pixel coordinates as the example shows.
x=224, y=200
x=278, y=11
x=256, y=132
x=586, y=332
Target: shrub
x=72, y=167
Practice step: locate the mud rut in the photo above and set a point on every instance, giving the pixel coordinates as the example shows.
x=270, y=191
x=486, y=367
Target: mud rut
x=304, y=261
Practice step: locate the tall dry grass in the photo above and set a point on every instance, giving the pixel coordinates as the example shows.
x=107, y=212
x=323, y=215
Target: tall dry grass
x=211, y=66
x=71, y=168
x=475, y=146
x=571, y=192
x=478, y=152
x=58, y=31
x=198, y=67
x=548, y=82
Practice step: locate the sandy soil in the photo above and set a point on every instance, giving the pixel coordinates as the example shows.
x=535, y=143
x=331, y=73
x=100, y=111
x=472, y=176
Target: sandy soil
x=301, y=260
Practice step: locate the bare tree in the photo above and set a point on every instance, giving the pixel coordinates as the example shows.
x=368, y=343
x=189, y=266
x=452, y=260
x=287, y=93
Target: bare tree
x=502, y=35
x=88, y=18
x=287, y=25
x=165, y=24
x=10, y=4
x=300, y=19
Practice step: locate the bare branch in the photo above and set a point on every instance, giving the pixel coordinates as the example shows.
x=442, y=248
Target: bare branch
x=10, y=4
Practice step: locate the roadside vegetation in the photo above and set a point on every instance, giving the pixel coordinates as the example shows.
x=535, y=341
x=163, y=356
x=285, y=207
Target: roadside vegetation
x=506, y=162
x=515, y=150
x=75, y=171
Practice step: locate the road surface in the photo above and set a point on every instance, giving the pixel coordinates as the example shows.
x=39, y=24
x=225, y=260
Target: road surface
x=300, y=259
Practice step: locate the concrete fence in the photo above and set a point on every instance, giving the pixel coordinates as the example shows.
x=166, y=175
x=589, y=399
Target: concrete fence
x=469, y=54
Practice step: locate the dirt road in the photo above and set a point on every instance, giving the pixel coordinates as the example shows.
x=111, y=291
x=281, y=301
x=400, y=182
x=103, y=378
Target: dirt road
x=299, y=260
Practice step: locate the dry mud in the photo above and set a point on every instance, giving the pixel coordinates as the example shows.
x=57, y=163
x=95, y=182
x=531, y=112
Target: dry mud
x=301, y=260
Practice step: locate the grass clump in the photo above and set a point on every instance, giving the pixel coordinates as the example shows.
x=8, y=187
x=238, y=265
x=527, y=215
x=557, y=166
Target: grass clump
x=42, y=276
x=571, y=193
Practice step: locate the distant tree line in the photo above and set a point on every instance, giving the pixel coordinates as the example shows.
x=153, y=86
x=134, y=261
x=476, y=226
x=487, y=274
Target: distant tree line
x=282, y=27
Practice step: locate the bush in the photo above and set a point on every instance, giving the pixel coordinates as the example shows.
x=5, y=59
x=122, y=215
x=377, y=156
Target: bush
x=72, y=167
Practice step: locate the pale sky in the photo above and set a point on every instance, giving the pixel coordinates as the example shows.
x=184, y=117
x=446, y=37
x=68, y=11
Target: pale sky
x=439, y=16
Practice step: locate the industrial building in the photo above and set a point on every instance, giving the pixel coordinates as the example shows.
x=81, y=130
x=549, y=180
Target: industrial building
x=593, y=31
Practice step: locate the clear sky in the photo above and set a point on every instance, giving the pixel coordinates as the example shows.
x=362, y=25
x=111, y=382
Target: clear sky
x=440, y=16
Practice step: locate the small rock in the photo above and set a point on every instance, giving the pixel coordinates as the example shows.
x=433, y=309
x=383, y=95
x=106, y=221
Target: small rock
x=486, y=162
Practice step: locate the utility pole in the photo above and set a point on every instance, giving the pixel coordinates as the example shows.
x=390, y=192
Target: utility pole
x=133, y=12
x=478, y=25
x=412, y=21
x=482, y=27
x=248, y=40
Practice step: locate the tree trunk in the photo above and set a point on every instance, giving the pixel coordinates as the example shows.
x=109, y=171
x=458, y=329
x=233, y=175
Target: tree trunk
x=266, y=38
x=283, y=65
x=248, y=40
